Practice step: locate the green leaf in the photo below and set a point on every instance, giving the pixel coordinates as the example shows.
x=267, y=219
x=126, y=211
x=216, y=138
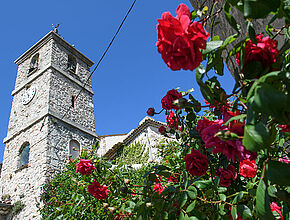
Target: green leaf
x=244, y=212
x=251, y=32
x=183, y=199
x=192, y=194
x=238, y=197
x=234, y=212
x=279, y=173
x=229, y=40
x=211, y=46
x=202, y=184
x=272, y=191
x=238, y=117
x=256, y=137
x=263, y=203
x=191, y=207
x=223, y=197
x=260, y=8
x=230, y=18
x=270, y=100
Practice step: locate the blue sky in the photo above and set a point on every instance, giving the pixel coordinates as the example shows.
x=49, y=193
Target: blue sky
x=132, y=76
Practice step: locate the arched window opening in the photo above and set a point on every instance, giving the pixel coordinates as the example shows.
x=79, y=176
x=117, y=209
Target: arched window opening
x=33, y=64
x=23, y=155
x=74, y=149
x=73, y=101
x=71, y=64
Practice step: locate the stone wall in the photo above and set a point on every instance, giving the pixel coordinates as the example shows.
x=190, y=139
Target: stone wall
x=60, y=134
x=25, y=182
x=60, y=100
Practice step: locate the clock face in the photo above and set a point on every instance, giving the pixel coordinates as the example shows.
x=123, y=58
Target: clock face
x=28, y=95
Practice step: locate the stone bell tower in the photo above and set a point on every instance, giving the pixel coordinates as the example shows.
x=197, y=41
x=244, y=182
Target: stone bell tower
x=48, y=122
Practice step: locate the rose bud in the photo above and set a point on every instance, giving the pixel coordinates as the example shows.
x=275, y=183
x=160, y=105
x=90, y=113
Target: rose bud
x=105, y=205
x=112, y=209
x=126, y=181
x=226, y=135
x=148, y=204
x=162, y=130
x=151, y=111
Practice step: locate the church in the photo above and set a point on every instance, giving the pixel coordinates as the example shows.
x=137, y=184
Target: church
x=52, y=120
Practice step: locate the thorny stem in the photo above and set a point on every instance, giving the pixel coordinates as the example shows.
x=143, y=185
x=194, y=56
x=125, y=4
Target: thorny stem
x=279, y=32
x=214, y=202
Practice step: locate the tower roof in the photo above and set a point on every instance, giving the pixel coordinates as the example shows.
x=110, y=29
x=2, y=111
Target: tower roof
x=59, y=39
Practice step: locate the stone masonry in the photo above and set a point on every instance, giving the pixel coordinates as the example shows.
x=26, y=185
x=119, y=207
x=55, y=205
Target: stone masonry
x=44, y=122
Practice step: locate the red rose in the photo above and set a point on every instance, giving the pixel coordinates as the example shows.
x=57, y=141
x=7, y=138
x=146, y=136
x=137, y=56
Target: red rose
x=150, y=111
x=196, y=163
x=265, y=51
x=172, y=120
x=85, y=167
x=284, y=128
x=158, y=188
x=162, y=130
x=248, y=168
x=275, y=208
x=171, y=96
x=98, y=191
x=180, y=41
x=226, y=175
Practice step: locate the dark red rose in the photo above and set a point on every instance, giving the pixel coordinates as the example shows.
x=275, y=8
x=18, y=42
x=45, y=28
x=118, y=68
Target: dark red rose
x=98, y=191
x=85, y=167
x=196, y=163
x=179, y=40
x=226, y=175
x=151, y=111
x=171, y=96
x=248, y=168
x=264, y=51
x=162, y=130
x=275, y=208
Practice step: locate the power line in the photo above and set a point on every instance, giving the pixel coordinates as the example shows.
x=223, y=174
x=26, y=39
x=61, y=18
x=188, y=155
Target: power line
x=97, y=65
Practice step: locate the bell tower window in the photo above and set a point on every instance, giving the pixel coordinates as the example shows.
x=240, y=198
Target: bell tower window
x=74, y=149
x=33, y=64
x=23, y=155
x=71, y=64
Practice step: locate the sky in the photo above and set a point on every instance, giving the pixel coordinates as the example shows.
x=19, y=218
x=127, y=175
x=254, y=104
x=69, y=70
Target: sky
x=131, y=78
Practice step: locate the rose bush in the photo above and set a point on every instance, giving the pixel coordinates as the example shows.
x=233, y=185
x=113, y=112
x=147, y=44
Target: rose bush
x=230, y=158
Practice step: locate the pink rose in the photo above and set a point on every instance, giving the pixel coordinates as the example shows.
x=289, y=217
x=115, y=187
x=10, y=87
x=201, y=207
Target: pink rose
x=284, y=160
x=196, y=163
x=248, y=168
x=158, y=188
x=275, y=208
x=226, y=175
x=233, y=148
x=151, y=111
x=179, y=40
x=85, y=167
x=171, y=96
x=98, y=191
